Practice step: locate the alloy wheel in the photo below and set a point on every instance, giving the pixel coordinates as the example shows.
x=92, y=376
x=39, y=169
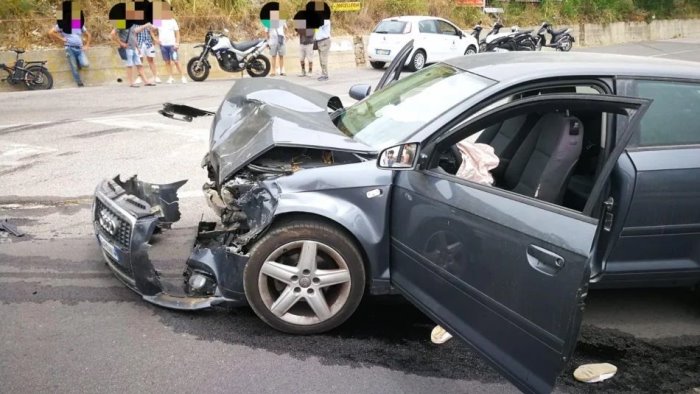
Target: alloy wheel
x=304, y=282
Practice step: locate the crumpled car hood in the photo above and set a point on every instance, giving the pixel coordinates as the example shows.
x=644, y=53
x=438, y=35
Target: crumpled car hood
x=260, y=113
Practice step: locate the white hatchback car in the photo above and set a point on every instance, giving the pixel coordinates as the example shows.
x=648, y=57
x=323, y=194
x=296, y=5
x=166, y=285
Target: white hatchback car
x=435, y=39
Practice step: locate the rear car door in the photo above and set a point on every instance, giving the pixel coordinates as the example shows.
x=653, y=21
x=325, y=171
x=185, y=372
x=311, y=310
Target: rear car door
x=506, y=273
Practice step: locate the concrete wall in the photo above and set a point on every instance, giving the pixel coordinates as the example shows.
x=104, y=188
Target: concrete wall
x=106, y=68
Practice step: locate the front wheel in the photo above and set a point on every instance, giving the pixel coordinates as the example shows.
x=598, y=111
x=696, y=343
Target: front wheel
x=38, y=78
x=471, y=50
x=377, y=65
x=258, y=67
x=197, y=69
x=304, y=277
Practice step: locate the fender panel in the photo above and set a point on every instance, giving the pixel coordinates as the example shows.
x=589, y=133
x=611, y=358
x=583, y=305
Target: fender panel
x=367, y=224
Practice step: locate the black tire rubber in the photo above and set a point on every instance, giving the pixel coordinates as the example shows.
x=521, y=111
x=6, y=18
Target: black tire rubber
x=472, y=48
x=284, y=233
x=377, y=65
x=47, y=78
x=412, y=63
x=191, y=73
x=261, y=58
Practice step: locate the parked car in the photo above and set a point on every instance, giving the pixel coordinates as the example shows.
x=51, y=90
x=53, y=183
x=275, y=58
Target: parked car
x=435, y=39
x=599, y=157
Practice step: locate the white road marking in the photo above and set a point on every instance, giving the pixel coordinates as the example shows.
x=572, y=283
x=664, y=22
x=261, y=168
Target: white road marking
x=675, y=53
x=13, y=154
x=125, y=122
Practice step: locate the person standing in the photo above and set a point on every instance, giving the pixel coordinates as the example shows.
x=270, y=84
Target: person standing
x=275, y=40
x=145, y=41
x=322, y=40
x=169, y=41
x=75, y=49
x=126, y=38
x=306, y=50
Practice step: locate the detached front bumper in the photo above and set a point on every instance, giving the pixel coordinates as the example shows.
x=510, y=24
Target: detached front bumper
x=125, y=217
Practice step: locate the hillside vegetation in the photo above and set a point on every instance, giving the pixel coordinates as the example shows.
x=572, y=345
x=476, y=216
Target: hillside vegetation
x=24, y=23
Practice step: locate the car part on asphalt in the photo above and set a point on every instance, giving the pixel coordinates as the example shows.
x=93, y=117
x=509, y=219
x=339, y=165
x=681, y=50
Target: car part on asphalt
x=594, y=373
x=10, y=228
x=185, y=112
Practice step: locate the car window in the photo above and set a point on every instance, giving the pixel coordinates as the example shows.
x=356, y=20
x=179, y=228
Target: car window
x=390, y=27
x=427, y=26
x=446, y=28
x=506, y=153
x=394, y=113
x=674, y=115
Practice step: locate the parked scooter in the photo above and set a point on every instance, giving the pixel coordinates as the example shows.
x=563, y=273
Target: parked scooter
x=497, y=41
x=34, y=74
x=231, y=56
x=562, y=40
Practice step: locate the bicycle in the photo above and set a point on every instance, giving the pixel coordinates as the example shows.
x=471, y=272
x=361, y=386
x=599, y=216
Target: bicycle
x=34, y=74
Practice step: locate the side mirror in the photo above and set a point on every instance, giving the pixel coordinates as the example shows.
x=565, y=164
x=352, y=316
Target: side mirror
x=399, y=157
x=360, y=91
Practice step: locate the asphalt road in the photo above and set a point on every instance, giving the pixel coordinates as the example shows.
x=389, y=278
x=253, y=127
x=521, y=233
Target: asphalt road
x=67, y=325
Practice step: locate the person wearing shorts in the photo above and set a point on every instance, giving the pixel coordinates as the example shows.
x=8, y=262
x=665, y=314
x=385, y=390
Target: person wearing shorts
x=148, y=51
x=126, y=38
x=169, y=41
x=275, y=40
x=306, y=50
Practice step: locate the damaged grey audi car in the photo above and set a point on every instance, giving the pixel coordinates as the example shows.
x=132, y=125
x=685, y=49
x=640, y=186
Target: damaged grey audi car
x=320, y=204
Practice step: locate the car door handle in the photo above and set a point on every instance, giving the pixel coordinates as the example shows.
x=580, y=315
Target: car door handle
x=543, y=260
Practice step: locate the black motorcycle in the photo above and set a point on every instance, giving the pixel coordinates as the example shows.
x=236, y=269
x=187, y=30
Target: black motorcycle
x=33, y=74
x=231, y=56
x=562, y=40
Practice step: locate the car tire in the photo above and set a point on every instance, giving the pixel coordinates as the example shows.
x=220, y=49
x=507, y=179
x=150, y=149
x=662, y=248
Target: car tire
x=377, y=65
x=289, y=294
x=417, y=60
x=471, y=50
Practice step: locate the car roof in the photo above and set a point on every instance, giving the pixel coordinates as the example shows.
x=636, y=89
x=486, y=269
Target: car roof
x=410, y=18
x=535, y=65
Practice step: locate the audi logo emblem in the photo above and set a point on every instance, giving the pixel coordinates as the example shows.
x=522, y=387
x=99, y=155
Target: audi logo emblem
x=108, y=221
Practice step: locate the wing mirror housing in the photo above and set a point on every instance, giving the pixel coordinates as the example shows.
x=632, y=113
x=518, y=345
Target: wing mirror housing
x=360, y=91
x=399, y=157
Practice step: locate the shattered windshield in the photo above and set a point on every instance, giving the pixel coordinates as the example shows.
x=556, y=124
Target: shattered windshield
x=393, y=114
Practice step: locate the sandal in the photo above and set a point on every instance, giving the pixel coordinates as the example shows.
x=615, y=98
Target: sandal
x=135, y=86
x=150, y=84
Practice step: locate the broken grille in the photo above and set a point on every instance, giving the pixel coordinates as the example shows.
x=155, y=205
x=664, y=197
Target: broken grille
x=118, y=229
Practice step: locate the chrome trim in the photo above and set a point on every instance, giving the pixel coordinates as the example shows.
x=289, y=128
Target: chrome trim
x=123, y=214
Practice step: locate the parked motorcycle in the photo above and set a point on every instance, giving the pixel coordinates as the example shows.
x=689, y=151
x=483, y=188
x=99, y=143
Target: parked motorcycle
x=33, y=74
x=231, y=56
x=562, y=40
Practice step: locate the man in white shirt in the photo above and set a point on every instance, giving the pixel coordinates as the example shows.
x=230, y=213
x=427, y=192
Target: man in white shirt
x=322, y=39
x=276, y=42
x=169, y=41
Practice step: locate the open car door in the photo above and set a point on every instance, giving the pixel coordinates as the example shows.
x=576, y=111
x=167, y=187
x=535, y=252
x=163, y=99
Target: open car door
x=506, y=273
x=393, y=72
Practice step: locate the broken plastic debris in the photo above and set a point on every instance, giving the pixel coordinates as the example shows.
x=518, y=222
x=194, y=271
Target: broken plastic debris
x=593, y=373
x=6, y=226
x=439, y=335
